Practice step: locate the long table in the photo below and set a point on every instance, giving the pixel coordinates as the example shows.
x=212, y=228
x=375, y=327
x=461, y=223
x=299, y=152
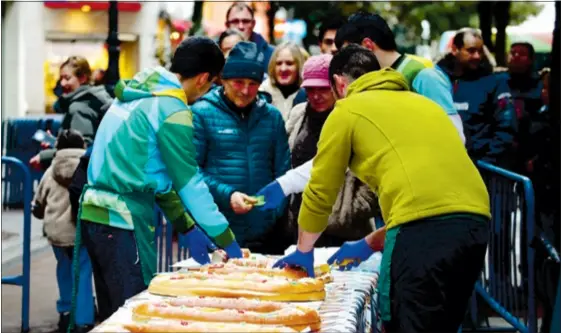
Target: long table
x=349, y=306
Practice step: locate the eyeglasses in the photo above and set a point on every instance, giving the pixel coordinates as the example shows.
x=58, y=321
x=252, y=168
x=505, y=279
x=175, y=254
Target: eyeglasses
x=238, y=21
x=328, y=41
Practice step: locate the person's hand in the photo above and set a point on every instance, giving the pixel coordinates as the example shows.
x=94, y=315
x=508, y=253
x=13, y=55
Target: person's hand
x=199, y=244
x=351, y=254
x=241, y=203
x=303, y=260
x=273, y=195
x=233, y=250
x=35, y=162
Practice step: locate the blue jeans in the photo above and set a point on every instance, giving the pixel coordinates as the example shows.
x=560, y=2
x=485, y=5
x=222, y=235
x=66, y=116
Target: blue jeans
x=114, y=254
x=65, y=279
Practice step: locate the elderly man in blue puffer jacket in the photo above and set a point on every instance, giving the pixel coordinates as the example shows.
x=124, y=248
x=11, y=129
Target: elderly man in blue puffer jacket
x=241, y=145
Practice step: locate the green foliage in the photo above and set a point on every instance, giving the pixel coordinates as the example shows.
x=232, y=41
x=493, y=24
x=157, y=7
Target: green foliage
x=520, y=11
x=406, y=16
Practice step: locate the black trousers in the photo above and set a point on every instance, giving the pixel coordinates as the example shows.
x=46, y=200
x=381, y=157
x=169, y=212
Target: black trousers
x=115, y=263
x=434, y=267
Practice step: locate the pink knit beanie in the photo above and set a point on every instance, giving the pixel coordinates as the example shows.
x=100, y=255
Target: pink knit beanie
x=316, y=71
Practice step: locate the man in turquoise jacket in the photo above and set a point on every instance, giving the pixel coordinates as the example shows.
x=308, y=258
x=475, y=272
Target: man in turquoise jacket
x=143, y=155
x=242, y=145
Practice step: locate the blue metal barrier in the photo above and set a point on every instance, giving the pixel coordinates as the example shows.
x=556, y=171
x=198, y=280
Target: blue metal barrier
x=166, y=247
x=18, y=143
x=556, y=323
x=164, y=242
x=508, y=279
x=23, y=279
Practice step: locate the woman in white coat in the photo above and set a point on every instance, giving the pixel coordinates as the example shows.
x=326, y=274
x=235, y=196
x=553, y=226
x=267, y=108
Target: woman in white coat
x=284, y=78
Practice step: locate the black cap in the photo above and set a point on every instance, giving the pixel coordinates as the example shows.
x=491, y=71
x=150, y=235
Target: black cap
x=196, y=55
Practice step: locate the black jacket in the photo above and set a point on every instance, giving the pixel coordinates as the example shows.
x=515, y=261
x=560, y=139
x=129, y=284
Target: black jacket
x=83, y=110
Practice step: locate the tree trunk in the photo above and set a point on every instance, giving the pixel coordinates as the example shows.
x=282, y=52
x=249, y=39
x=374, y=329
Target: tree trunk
x=197, y=17
x=485, y=11
x=502, y=17
x=273, y=7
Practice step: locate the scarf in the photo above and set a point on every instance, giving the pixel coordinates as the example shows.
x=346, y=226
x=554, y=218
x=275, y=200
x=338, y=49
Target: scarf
x=305, y=148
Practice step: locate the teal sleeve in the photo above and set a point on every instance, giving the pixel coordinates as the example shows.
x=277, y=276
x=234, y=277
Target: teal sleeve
x=175, y=142
x=434, y=84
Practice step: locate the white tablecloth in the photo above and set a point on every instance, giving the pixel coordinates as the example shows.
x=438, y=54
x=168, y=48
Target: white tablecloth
x=346, y=307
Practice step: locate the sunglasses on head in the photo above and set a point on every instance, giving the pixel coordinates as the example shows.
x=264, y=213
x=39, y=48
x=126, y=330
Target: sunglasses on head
x=238, y=21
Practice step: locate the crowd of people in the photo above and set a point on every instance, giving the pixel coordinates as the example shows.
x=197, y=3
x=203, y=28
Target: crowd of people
x=361, y=147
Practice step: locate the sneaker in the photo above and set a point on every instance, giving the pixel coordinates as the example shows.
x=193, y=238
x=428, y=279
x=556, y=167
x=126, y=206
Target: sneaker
x=63, y=322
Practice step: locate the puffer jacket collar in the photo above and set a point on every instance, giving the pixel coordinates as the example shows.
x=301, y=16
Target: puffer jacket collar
x=215, y=98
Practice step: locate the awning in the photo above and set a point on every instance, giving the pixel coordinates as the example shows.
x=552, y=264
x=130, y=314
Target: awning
x=181, y=25
x=124, y=6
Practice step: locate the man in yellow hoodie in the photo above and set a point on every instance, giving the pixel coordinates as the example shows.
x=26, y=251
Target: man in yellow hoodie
x=433, y=200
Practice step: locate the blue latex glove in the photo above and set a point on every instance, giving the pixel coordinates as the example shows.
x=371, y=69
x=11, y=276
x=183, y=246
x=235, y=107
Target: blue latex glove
x=199, y=245
x=273, y=195
x=303, y=260
x=233, y=250
x=357, y=251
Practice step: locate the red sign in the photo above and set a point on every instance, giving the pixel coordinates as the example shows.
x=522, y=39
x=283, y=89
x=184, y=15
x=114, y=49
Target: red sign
x=124, y=6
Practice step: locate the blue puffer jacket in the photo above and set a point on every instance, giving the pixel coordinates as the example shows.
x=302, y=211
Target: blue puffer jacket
x=237, y=154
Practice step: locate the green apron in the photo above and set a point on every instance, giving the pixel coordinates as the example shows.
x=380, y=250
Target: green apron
x=384, y=281
x=141, y=205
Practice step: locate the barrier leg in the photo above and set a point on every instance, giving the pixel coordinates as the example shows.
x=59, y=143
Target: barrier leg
x=23, y=280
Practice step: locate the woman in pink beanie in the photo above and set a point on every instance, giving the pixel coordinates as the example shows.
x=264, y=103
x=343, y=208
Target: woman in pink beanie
x=353, y=213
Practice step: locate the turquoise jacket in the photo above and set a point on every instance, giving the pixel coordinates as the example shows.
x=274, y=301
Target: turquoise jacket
x=144, y=150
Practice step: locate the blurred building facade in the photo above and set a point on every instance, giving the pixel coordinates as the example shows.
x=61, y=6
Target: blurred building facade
x=38, y=36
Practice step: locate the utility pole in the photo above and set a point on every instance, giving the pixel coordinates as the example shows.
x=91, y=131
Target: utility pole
x=113, y=47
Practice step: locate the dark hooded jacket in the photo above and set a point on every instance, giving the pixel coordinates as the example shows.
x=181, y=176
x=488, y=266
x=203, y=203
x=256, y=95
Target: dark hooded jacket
x=83, y=110
x=484, y=102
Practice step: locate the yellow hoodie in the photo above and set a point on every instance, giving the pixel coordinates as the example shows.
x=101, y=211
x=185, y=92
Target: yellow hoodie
x=399, y=143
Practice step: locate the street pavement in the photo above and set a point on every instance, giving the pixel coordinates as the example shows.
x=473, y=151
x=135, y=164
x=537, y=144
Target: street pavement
x=43, y=316
x=12, y=236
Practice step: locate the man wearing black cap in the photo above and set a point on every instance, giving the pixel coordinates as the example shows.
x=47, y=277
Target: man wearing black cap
x=143, y=154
